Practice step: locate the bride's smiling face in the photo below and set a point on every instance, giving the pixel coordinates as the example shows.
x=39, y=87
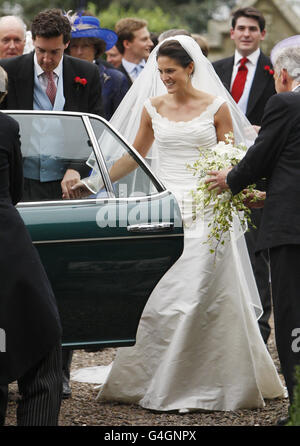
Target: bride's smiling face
x=174, y=76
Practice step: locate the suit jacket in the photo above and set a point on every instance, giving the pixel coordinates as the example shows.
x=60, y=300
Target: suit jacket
x=28, y=311
x=275, y=156
x=114, y=86
x=122, y=69
x=78, y=98
x=261, y=90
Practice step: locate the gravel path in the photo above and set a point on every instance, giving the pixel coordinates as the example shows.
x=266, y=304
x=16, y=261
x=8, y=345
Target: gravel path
x=83, y=410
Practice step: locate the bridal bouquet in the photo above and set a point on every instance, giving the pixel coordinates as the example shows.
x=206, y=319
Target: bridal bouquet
x=225, y=205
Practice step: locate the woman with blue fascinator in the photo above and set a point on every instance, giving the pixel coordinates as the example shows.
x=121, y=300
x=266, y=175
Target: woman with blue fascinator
x=89, y=42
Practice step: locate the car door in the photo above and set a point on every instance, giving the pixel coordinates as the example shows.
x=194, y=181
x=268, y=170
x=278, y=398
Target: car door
x=104, y=252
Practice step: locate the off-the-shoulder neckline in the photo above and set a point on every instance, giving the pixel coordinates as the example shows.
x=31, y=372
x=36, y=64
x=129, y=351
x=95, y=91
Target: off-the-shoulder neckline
x=217, y=98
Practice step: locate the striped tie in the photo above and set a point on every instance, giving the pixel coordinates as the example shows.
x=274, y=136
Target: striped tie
x=51, y=87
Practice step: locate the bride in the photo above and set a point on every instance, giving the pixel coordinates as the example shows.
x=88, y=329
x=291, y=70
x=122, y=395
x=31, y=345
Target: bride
x=198, y=342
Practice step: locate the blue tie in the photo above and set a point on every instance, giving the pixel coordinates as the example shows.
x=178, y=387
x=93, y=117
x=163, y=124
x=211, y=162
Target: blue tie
x=137, y=70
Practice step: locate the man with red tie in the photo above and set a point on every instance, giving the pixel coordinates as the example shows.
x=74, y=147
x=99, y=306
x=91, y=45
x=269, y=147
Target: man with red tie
x=248, y=75
x=247, y=32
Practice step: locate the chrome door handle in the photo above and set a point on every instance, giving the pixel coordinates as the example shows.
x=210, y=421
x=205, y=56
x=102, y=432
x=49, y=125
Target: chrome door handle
x=150, y=227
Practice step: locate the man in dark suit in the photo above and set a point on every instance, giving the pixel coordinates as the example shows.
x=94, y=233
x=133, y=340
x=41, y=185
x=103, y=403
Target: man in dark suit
x=248, y=75
x=30, y=329
x=46, y=80
x=28, y=87
x=275, y=156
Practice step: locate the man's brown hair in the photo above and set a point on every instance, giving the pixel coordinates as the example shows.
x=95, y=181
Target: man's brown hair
x=51, y=23
x=125, y=29
x=251, y=13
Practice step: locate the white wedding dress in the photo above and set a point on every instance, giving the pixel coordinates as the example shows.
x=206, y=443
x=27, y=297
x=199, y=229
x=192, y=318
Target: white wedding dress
x=198, y=342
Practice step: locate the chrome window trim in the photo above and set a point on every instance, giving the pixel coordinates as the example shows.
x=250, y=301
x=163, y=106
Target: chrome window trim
x=137, y=155
x=99, y=157
x=84, y=117
x=90, y=201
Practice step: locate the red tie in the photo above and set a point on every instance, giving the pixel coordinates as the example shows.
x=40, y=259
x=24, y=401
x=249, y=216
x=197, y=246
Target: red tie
x=51, y=87
x=240, y=80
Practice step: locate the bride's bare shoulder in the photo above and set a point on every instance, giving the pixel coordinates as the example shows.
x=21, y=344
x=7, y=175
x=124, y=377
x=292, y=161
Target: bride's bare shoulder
x=205, y=97
x=157, y=101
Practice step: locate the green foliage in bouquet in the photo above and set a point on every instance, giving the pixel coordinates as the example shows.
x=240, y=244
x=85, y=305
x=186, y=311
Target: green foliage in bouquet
x=294, y=411
x=225, y=205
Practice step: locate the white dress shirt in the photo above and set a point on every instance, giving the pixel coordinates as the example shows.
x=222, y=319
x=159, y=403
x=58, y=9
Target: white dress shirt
x=251, y=65
x=42, y=76
x=133, y=69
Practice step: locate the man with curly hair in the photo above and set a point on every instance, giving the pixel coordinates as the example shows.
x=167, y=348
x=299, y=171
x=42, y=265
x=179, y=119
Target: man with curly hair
x=45, y=80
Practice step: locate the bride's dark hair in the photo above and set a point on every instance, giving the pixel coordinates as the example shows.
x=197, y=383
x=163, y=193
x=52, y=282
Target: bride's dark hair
x=175, y=51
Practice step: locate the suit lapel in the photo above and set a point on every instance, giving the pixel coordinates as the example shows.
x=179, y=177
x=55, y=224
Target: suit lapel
x=260, y=80
x=69, y=91
x=227, y=72
x=25, y=82
x=122, y=69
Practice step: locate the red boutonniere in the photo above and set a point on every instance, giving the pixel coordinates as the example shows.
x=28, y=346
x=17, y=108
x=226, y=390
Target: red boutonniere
x=80, y=81
x=269, y=69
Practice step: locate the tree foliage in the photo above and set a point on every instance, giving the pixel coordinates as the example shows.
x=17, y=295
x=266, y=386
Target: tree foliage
x=190, y=14
x=29, y=8
x=158, y=21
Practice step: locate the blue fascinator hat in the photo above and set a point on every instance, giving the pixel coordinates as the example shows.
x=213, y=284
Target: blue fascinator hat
x=88, y=26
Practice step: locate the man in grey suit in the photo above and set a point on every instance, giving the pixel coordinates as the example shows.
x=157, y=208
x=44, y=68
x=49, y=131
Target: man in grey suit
x=251, y=93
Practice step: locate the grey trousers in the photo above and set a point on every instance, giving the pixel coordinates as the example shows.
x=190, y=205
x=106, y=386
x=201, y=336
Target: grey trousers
x=40, y=390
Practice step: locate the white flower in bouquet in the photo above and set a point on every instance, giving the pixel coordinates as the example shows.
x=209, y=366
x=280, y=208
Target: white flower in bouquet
x=225, y=205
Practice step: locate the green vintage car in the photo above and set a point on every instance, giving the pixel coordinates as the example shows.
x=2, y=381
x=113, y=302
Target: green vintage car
x=104, y=253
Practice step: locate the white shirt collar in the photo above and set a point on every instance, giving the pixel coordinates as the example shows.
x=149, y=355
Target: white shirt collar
x=253, y=57
x=129, y=66
x=39, y=70
x=295, y=88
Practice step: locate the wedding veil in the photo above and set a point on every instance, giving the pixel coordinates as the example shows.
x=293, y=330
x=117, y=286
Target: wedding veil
x=126, y=120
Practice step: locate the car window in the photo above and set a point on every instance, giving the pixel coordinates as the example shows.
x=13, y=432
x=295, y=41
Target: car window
x=136, y=184
x=50, y=146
